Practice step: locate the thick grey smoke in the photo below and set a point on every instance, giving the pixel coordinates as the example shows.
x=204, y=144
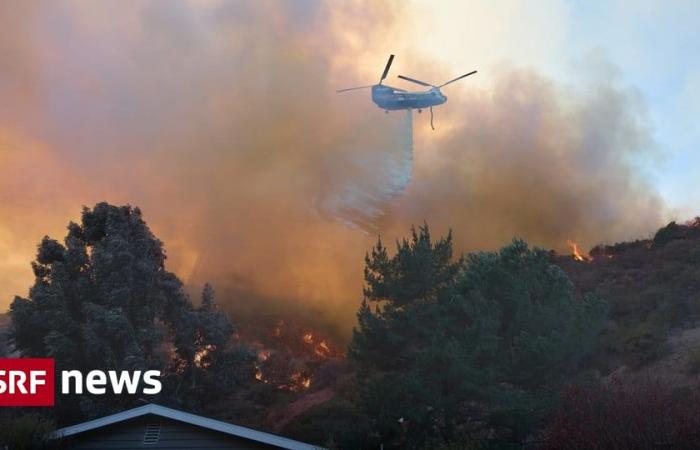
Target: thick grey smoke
x=221, y=121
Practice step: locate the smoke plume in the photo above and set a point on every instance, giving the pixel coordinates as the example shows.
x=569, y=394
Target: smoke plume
x=221, y=122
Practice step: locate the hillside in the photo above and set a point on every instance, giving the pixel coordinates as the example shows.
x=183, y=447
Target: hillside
x=653, y=290
x=652, y=287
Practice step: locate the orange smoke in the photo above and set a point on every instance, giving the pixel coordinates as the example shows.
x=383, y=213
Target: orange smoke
x=222, y=124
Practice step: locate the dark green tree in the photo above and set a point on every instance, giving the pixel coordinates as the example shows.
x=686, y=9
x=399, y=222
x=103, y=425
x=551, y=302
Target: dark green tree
x=104, y=300
x=218, y=366
x=455, y=350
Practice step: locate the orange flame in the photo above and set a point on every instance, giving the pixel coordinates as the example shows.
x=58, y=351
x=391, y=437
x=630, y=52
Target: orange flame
x=263, y=355
x=308, y=338
x=199, y=357
x=576, y=252
x=322, y=349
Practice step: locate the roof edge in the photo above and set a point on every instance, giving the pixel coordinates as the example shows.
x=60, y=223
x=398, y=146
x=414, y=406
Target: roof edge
x=185, y=417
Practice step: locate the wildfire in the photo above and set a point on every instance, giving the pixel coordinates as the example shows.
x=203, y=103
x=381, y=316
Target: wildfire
x=308, y=338
x=200, y=356
x=576, y=252
x=299, y=381
x=287, y=355
x=322, y=349
x=263, y=355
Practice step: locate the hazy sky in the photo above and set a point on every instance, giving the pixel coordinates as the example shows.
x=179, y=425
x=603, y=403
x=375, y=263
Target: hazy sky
x=219, y=119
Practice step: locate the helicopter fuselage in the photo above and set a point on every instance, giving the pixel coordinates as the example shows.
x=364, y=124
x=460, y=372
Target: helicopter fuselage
x=391, y=99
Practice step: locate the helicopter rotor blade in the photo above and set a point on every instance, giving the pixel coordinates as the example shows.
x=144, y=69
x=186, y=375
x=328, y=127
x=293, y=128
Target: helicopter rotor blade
x=354, y=88
x=458, y=78
x=386, y=69
x=413, y=80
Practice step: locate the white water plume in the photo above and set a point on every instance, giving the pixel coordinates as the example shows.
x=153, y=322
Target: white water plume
x=386, y=169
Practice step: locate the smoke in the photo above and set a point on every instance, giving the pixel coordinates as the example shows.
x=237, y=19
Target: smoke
x=221, y=122
x=538, y=160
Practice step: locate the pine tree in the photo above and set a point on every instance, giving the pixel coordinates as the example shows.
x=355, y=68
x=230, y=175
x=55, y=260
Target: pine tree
x=453, y=348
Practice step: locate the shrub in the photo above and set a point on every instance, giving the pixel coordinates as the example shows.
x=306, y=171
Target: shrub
x=614, y=416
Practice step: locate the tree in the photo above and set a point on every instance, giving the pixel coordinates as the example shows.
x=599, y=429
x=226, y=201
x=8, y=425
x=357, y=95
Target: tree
x=453, y=349
x=214, y=366
x=104, y=300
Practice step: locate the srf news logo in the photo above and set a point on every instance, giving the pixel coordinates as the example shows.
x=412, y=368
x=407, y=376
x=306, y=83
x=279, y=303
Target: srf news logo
x=26, y=382
x=30, y=382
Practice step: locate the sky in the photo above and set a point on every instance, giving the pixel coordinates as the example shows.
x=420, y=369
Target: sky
x=652, y=46
x=221, y=122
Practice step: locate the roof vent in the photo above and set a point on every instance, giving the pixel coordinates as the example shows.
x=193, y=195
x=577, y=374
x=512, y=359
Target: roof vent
x=152, y=434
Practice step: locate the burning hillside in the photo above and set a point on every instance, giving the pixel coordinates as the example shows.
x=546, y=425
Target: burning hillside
x=651, y=287
x=288, y=354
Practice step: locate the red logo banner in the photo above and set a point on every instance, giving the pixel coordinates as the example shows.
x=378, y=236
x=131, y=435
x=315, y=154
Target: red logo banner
x=26, y=382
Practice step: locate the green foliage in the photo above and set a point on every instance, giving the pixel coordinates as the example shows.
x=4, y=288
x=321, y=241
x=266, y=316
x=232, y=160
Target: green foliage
x=455, y=348
x=339, y=423
x=25, y=432
x=103, y=300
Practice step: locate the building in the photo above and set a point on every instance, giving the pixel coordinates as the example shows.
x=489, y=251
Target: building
x=157, y=427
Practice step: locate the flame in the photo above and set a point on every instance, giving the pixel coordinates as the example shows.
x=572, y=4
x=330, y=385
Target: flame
x=259, y=374
x=576, y=252
x=308, y=338
x=298, y=381
x=199, y=357
x=322, y=349
x=263, y=355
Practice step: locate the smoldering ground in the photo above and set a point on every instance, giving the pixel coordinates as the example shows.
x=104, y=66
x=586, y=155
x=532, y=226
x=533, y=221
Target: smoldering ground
x=221, y=122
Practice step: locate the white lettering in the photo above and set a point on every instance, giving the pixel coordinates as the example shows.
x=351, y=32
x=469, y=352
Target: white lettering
x=17, y=379
x=66, y=376
x=95, y=382
x=131, y=381
x=34, y=379
x=150, y=378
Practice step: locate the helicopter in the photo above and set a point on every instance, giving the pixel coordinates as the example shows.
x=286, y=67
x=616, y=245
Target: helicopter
x=391, y=98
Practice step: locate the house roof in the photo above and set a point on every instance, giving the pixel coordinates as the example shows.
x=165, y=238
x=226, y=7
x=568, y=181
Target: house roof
x=181, y=416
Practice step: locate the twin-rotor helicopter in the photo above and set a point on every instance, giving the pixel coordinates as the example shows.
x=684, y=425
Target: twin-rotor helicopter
x=391, y=99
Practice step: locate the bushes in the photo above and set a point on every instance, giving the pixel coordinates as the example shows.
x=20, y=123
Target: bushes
x=637, y=344
x=25, y=431
x=651, y=287
x=615, y=416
